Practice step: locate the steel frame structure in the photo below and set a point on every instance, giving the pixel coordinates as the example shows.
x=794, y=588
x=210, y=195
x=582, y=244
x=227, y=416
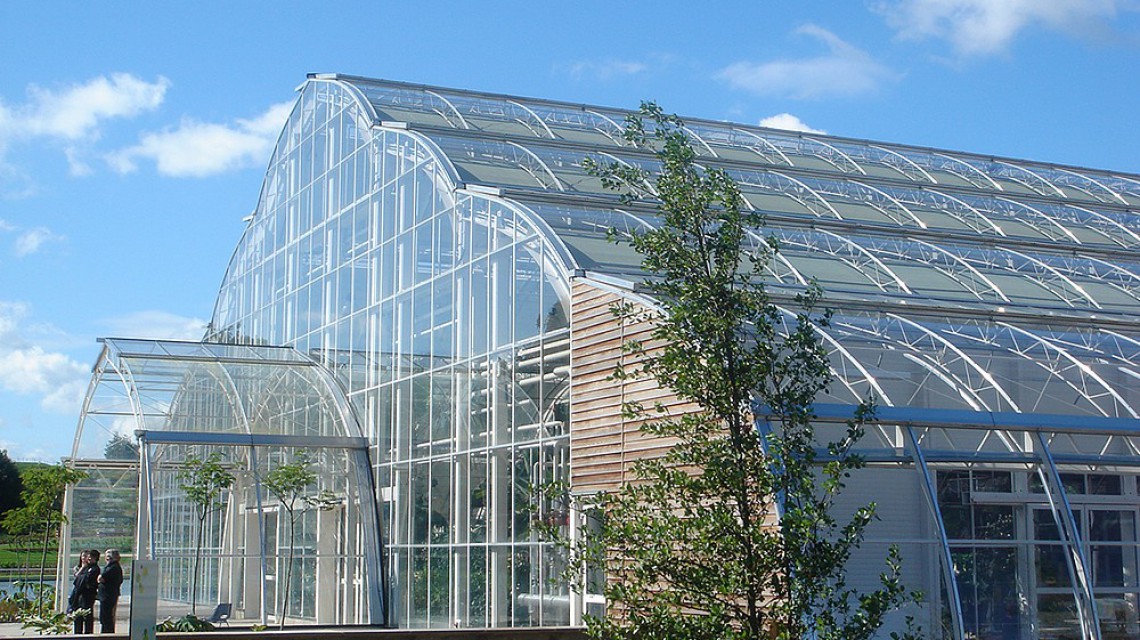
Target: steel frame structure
x=416, y=246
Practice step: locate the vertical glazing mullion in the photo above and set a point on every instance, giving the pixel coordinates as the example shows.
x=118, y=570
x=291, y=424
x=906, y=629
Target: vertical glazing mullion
x=1067, y=527
x=947, y=557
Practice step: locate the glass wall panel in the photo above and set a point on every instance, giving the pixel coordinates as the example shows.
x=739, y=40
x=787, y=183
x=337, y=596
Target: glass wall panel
x=460, y=295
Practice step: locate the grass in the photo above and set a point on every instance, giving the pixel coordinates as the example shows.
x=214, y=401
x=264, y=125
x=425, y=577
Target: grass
x=13, y=556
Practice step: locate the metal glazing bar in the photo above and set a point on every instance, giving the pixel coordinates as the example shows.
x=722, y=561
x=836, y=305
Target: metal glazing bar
x=1066, y=525
x=947, y=558
x=373, y=530
x=986, y=420
x=252, y=439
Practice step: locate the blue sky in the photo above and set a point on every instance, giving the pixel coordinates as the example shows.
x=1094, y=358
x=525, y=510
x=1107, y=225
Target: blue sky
x=133, y=135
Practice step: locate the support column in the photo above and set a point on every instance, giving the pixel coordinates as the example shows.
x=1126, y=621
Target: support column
x=328, y=591
x=499, y=500
x=1070, y=534
x=948, y=576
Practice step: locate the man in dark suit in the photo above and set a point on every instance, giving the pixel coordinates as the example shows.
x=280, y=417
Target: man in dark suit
x=83, y=591
x=110, y=583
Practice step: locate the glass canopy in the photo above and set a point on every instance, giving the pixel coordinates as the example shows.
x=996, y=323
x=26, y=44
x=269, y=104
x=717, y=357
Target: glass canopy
x=251, y=409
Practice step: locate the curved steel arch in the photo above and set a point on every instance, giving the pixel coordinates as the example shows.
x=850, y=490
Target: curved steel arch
x=539, y=120
x=963, y=266
x=849, y=252
x=906, y=162
x=887, y=211
x=838, y=152
x=1107, y=226
x=968, y=220
x=784, y=160
x=1082, y=183
x=1038, y=269
x=1058, y=363
x=888, y=330
x=1034, y=182
x=970, y=169
x=691, y=132
x=1065, y=234
x=541, y=163
x=609, y=134
x=764, y=181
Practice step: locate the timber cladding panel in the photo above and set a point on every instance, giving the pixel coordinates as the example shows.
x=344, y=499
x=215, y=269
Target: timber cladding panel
x=603, y=444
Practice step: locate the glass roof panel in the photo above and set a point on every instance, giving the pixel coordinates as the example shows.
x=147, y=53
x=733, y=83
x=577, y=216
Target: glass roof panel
x=207, y=387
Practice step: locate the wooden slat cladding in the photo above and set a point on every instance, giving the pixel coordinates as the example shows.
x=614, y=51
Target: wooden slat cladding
x=603, y=444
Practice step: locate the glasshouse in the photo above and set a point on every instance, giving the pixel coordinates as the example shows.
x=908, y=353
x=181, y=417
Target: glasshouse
x=414, y=337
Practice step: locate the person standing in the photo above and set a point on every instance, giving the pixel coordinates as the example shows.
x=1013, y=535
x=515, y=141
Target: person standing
x=84, y=590
x=110, y=583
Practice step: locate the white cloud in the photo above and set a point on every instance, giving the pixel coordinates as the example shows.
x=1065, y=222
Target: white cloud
x=34, y=370
x=75, y=112
x=789, y=122
x=607, y=69
x=31, y=240
x=198, y=149
x=981, y=27
x=30, y=369
x=157, y=325
x=70, y=115
x=28, y=241
x=843, y=71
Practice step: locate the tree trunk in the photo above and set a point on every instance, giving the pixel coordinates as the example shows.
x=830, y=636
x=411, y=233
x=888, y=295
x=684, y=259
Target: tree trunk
x=43, y=561
x=197, y=562
x=288, y=575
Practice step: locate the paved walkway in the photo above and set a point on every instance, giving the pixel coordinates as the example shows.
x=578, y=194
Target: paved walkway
x=12, y=629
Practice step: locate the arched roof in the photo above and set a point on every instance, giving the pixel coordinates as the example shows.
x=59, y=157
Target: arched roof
x=237, y=390
x=939, y=224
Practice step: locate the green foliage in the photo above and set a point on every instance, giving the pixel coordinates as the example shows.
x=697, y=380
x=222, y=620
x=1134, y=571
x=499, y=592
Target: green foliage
x=120, y=447
x=731, y=533
x=10, y=484
x=54, y=623
x=24, y=600
x=292, y=484
x=204, y=481
x=187, y=623
x=42, y=512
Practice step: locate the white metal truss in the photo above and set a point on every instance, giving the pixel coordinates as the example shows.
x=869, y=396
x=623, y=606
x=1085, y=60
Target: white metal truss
x=1095, y=189
x=530, y=123
x=1048, y=225
x=1062, y=366
x=759, y=145
x=947, y=262
x=861, y=193
x=774, y=182
x=963, y=170
x=1023, y=176
x=936, y=201
x=848, y=252
x=903, y=164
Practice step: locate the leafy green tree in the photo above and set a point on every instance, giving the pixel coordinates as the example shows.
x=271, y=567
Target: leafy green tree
x=121, y=447
x=731, y=534
x=42, y=512
x=204, y=481
x=293, y=484
x=10, y=484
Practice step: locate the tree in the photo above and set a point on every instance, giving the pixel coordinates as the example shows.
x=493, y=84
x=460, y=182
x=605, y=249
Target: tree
x=121, y=447
x=10, y=484
x=42, y=512
x=731, y=533
x=292, y=485
x=204, y=480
